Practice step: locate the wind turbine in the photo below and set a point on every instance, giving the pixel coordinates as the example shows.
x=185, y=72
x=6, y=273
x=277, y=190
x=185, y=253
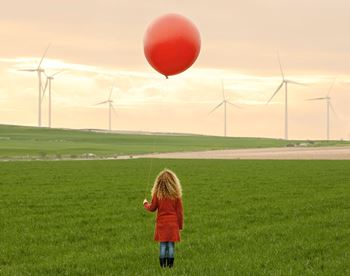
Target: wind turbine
x=49, y=79
x=224, y=102
x=110, y=108
x=39, y=71
x=284, y=83
x=329, y=106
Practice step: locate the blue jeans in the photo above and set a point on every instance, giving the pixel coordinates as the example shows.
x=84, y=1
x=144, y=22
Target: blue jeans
x=167, y=250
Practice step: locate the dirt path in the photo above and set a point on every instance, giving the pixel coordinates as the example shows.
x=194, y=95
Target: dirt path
x=324, y=153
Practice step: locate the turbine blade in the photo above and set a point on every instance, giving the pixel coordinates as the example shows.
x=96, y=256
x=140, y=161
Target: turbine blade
x=28, y=70
x=57, y=73
x=279, y=62
x=297, y=83
x=223, y=89
x=102, y=102
x=316, y=99
x=333, y=110
x=44, y=90
x=278, y=89
x=216, y=107
x=110, y=93
x=331, y=87
x=114, y=110
x=47, y=48
x=235, y=105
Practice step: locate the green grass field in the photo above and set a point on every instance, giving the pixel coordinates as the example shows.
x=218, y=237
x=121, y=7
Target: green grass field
x=28, y=142
x=241, y=217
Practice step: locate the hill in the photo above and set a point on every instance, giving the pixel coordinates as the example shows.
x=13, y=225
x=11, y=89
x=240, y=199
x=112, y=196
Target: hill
x=18, y=142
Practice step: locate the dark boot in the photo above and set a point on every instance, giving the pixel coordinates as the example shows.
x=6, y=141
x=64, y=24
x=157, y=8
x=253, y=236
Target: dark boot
x=170, y=262
x=162, y=262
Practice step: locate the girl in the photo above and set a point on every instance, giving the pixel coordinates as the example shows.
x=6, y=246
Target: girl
x=166, y=198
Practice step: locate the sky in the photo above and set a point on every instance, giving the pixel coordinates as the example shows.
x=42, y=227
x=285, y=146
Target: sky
x=98, y=43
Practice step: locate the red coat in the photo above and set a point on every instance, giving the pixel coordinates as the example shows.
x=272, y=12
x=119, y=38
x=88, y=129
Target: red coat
x=169, y=220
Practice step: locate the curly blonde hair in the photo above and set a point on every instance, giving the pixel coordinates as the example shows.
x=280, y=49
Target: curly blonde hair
x=167, y=185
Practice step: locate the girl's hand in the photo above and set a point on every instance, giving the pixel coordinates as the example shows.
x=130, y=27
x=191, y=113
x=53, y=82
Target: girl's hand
x=145, y=201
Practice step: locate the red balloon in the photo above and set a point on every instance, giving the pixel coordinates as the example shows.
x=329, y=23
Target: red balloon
x=171, y=44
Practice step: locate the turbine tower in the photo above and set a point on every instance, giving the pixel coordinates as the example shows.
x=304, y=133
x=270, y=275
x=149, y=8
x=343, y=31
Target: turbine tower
x=329, y=107
x=224, y=102
x=110, y=108
x=39, y=71
x=284, y=83
x=48, y=83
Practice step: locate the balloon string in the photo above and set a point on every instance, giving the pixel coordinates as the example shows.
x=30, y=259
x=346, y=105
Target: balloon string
x=153, y=151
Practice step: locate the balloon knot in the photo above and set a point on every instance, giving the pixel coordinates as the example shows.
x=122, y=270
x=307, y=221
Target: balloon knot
x=166, y=77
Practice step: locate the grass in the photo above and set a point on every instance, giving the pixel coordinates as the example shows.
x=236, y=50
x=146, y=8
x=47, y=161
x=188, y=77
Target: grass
x=43, y=143
x=241, y=217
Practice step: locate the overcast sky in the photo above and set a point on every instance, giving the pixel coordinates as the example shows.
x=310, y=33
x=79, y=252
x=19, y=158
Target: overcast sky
x=98, y=42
